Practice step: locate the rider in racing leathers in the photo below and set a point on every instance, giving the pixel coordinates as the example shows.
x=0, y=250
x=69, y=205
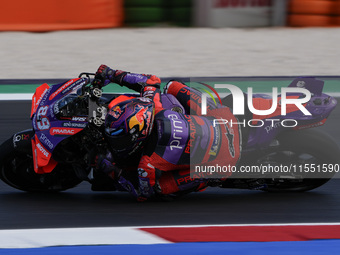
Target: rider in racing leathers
x=168, y=140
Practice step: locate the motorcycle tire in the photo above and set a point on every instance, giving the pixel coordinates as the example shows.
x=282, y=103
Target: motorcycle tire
x=299, y=148
x=16, y=170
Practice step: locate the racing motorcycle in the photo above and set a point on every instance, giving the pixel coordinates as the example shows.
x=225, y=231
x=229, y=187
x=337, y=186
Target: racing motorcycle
x=68, y=130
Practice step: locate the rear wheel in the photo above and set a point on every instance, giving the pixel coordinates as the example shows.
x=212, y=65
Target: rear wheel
x=16, y=169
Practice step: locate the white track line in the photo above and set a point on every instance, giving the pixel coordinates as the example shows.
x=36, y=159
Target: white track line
x=16, y=96
x=34, y=238
x=247, y=225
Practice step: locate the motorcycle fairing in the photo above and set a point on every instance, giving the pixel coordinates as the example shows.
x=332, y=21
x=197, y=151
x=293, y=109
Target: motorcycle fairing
x=50, y=130
x=312, y=125
x=320, y=106
x=42, y=158
x=312, y=84
x=37, y=96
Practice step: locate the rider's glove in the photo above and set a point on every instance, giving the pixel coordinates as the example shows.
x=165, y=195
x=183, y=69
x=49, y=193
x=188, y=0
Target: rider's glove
x=110, y=168
x=145, y=188
x=104, y=75
x=133, y=81
x=105, y=165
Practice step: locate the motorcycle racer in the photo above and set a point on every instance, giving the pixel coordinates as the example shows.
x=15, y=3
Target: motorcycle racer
x=170, y=142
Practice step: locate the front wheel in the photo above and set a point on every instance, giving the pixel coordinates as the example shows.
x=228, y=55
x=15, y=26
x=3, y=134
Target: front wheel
x=16, y=168
x=312, y=156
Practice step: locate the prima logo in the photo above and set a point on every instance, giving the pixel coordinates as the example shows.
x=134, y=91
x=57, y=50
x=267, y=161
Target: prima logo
x=177, y=132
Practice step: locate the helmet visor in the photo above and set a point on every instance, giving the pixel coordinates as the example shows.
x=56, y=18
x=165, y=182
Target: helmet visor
x=119, y=140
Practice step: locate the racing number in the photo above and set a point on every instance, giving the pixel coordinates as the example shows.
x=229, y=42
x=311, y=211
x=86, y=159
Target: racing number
x=42, y=122
x=42, y=111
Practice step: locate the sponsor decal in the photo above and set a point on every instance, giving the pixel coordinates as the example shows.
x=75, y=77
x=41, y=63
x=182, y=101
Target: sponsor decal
x=52, y=112
x=230, y=136
x=177, y=130
x=216, y=141
x=192, y=134
x=185, y=91
x=63, y=87
x=116, y=112
x=196, y=98
x=76, y=85
x=43, y=150
x=82, y=119
x=64, y=131
x=184, y=180
x=134, y=76
x=41, y=97
x=318, y=124
x=76, y=125
x=43, y=138
x=138, y=119
x=42, y=92
x=272, y=127
x=56, y=108
x=21, y=137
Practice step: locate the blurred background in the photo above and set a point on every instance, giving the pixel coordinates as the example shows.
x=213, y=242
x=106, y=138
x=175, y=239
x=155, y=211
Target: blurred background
x=61, y=38
x=49, y=15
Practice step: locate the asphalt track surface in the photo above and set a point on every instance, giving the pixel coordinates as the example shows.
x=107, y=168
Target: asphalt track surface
x=80, y=207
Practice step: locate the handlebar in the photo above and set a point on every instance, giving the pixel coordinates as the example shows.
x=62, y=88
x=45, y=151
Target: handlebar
x=96, y=109
x=96, y=84
x=86, y=74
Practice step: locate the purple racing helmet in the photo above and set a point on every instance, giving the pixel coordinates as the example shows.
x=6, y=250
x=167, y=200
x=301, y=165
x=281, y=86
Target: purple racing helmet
x=128, y=123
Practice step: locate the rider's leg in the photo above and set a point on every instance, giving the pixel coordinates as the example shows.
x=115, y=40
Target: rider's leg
x=175, y=181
